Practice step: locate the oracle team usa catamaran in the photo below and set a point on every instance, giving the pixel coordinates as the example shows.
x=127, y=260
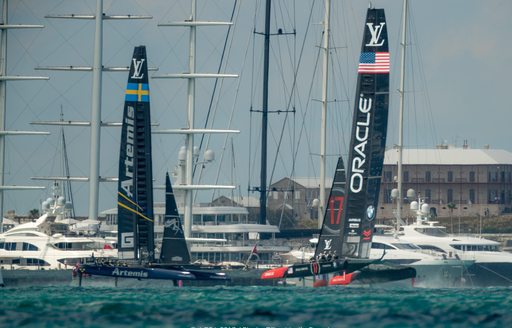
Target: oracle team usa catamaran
x=347, y=230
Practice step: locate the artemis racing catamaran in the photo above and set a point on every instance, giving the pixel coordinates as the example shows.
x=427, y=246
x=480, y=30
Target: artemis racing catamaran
x=136, y=245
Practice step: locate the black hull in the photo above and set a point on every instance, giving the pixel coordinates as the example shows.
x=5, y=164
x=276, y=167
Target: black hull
x=382, y=274
x=135, y=272
x=199, y=272
x=489, y=275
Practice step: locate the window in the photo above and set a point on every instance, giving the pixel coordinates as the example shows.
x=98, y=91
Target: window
x=275, y=194
x=432, y=247
x=29, y=247
x=472, y=176
x=297, y=194
x=387, y=196
x=428, y=194
x=428, y=176
x=388, y=176
x=449, y=195
x=472, y=196
x=406, y=176
x=450, y=176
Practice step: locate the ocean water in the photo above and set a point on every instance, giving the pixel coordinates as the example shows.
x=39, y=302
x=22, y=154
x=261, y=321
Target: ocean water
x=254, y=307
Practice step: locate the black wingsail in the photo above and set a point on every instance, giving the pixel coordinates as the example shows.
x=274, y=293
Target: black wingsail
x=329, y=240
x=135, y=187
x=174, y=246
x=368, y=139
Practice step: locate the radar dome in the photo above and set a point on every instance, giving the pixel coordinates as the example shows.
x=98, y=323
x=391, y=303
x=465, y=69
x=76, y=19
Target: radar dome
x=394, y=193
x=209, y=155
x=414, y=205
x=315, y=203
x=425, y=208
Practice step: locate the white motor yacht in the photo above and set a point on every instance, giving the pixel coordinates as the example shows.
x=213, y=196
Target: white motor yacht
x=492, y=266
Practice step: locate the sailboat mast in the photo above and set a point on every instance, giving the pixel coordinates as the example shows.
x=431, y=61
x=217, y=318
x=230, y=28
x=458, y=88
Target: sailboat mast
x=94, y=164
x=403, y=44
x=323, y=137
x=190, y=137
x=264, y=119
x=3, y=79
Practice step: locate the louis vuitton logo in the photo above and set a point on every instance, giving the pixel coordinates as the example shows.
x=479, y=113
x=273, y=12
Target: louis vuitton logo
x=375, y=31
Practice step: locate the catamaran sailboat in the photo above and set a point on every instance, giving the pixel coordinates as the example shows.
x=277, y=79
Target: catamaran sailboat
x=347, y=230
x=136, y=244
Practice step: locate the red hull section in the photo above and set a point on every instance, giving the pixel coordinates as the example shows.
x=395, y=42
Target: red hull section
x=274, y=273
x=344, y=279
x=320, y=283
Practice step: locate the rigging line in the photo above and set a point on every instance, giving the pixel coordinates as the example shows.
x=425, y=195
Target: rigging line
x=423, y=80
x=291, y=96
x=303, y=126
x=226, y=138
x=216, y=82
x=134, y=211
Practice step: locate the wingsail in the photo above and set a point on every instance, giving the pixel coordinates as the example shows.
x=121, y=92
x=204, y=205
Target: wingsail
x=135, y=187
x=329, y=241
x=368, y=138
x=174, y=247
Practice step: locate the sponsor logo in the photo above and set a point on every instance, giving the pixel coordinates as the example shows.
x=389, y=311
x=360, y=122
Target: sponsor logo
x=137, y=68
x=353, y=225
x=315, y=268
x=177, y=258
x=359, y=151
x=300, y=269
x=127, y=240
x=290, y=270
x=128, y=273
x=375, y=31
x=370, y=212
x=127, y=185
x=354, y=220
x=174, y=225
x=367, y=234
x=328, y=243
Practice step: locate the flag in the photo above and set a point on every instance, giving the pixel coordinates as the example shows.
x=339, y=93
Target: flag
x=254, y=250
x=373, y=62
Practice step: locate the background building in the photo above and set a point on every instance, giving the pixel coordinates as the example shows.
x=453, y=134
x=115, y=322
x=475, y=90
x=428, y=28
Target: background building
x=454, y=181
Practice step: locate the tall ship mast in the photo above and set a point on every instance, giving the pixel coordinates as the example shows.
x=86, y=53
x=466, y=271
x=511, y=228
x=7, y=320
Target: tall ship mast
x=95, y=123
x=4, y=27
x=188, y=186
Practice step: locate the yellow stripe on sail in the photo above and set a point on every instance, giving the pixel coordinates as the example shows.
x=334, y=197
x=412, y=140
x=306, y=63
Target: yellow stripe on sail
x=129, y=200
x=134, y=211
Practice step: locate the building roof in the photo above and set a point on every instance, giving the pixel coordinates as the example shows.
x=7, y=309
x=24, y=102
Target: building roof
x=311, y=182
x=449, y=156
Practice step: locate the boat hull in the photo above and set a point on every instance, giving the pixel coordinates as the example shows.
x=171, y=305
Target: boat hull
x=135, y=272
x=489, y=274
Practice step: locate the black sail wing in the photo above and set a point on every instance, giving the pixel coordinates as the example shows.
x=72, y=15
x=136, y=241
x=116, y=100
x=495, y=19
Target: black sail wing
x=329, y=240
x=368, y=139
x=135, y=187
x=174, y=246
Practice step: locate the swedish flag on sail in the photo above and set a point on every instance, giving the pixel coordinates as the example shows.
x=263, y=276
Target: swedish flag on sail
x=138, y=92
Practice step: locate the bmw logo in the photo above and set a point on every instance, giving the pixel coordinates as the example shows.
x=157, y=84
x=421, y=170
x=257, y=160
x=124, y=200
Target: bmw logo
x=370, y=212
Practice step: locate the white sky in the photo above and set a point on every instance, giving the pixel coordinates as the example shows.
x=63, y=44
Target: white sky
x=458, y=83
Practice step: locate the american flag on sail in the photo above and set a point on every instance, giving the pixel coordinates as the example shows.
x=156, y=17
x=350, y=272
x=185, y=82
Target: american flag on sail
x=373, y=62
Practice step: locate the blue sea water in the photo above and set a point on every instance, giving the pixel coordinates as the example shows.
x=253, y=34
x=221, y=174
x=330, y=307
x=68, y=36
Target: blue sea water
x=254, y=307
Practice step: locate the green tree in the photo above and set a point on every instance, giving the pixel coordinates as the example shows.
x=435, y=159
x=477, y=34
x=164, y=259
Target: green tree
x=33, y=214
